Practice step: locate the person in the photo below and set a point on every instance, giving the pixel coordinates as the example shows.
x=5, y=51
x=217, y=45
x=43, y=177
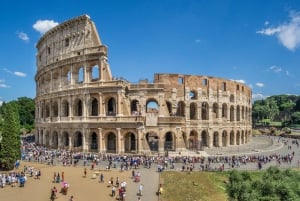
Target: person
x=113, y=191
x=53, y=193
x=62, y=176
x=72, y=198
x=85, y=172
x=139, y=199
x=141, y=186
x=101, y=178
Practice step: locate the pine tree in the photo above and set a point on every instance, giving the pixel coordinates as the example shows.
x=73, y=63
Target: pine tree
x=10, y=145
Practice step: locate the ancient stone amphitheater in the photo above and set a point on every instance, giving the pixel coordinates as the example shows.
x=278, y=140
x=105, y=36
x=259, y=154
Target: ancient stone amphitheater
x=80, y=106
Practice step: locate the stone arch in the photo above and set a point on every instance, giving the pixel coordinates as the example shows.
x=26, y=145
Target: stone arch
x=231, y=140
x=238, y=138
x=204, y=138
x=54, y=109
x=78, y=107
x=152, y=139
x=94, y=142
x=47, y=114
x=193, y=140
x=134, y=107
x=152, y=106
x=193, y=111
x=216, y=142
x=215, y=111
x=65, y=108
x=243, y=112
x=111, y=142
x=47, y=138
x=94, y=107
x=80, y=75
x=130, y=142
x=224, y=138
x=54, y=140
x=65, y=139
x=169, y=141
x=111, y=107
x=231, y=113
x=243, y=137
x=224, y=111
x=95, y=73
x=204, y=111
x=180, y=109
x=78, y=139
x=238, y=113
x=169, y=106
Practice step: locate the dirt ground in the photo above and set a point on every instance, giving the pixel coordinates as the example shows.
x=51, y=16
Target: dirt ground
x=82, y=188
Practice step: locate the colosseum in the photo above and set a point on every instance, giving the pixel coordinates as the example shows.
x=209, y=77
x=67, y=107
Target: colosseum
x=81, y=106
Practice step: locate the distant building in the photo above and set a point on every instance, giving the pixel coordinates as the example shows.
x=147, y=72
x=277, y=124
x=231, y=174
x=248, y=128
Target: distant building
x=81, y=107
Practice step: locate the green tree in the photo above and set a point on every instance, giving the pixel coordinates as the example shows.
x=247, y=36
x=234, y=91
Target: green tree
x=296, y=117
x=10, y=137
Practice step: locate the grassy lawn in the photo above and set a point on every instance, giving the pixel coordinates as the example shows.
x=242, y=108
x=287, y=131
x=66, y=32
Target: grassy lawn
x=194, y=186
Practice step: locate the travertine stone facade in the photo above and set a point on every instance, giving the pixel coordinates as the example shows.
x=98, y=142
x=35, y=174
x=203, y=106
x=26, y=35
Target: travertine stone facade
x=81, y=107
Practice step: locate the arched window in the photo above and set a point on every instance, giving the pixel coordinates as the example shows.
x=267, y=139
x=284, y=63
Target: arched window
x=95, y=73
x=193, y=111
x=152, y=106
x=94, y=107
x=181, y=109
x=204, y=111
x=111, y=107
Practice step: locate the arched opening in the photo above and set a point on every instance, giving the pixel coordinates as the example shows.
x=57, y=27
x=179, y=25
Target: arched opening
x=238, y=138
x=94, y=142
x=204, y=139
x=111, y=107
x=54, y=140
x=80, y=75
x=216, y=139
x=95, y=106
x=231, y=138
x=238, y=113
x=152, y=140
x=55, y=109
x=130, y=143
x=65, y=108
x=152, y=106
x=215, y=112
x=95, y=73
x=204, y=111
x=193, y=111
x=180, y=109
x=111, y=143
x=231, y=113
x=78, y=108
x=65, y=139
x=168, y=145
x=134, y=107
x=47, y=139
x=47, y=110
x=169, y=106
x=243, y=138
x=78, y=139
x=224, y=111
x=193, y=140
x=224, y=138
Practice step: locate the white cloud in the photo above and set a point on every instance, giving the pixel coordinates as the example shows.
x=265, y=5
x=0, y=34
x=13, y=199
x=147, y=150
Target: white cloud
x=23, y=36
x=267, y=23
x=43, y=26
x=16, y=73
x=258, y=96
x=1, y=102
x=287, y=33
x=240, y=81
x=2, y=85
x=197, y=41
x=259, y=84
x=20, y=74
x=275, y=69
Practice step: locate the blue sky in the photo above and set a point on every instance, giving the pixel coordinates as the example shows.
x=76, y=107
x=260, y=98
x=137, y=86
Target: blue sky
x=255, y=42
